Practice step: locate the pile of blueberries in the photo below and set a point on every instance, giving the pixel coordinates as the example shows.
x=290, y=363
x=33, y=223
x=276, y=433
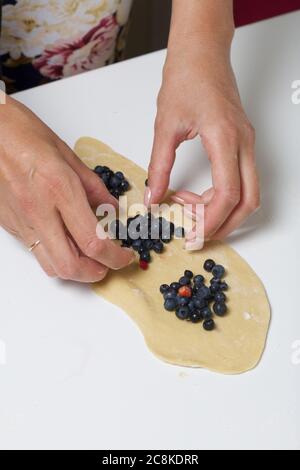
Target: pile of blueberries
x=145, y=233
x=192, y=300
x=116, y=183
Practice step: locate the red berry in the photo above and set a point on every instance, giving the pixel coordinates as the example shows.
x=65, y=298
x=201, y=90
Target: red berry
x=144, y=265
x=185, y=291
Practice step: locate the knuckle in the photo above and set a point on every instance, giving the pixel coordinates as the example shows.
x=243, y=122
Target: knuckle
x=232, y=195
x=27, y=203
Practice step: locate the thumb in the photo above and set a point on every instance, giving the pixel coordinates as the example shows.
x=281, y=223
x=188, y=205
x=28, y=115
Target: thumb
x=161, y=164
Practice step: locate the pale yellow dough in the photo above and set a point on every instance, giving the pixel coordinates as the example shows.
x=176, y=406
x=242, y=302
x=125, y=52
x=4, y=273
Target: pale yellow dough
x=237, y=344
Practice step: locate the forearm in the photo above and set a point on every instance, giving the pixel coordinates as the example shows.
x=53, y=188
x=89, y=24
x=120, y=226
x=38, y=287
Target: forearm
x=201, y=24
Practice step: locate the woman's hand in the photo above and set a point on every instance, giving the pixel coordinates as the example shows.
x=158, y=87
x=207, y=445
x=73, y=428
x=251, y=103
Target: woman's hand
x=46, y=194
x=199, y=96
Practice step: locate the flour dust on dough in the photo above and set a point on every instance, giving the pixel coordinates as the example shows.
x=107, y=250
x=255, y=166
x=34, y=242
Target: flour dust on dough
x=238, y=342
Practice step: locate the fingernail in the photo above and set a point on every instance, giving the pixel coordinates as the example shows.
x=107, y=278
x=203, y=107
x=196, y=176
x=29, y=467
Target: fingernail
x=147, y=197
x=194, y=245
x=133, y=258
x=177, y=199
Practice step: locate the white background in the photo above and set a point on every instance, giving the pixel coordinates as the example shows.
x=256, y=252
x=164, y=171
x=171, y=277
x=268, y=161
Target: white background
x=77, y=372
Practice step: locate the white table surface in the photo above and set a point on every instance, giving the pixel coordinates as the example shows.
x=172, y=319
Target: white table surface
x=77, y=373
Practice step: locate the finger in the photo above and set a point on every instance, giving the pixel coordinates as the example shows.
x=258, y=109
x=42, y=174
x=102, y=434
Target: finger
x=29, y=236
x=223, y=153
x=64, y=257
x=82, y=225
x=162, y=161
x=250, y=199
x=187, y=197
x=95, y=189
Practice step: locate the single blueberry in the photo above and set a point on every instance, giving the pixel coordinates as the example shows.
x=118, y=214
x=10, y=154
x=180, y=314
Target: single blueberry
x=220, y=297
x=136, y=244
x=206, y=313
x=170, y=304
x=164, y=288
x=203, y=292
x=114, y=182
x=209, y=265
x=220, y=309
x=182, y=313
x=158, y=247
x=124, y=186
x=195, y=317
x=184, y=281
x=209, y=325
x=120, y=175
x=214, y=288
x=183, y=301
x=170, y=294
x=99, y=169
x=175, y=285
x=145, y=256
x=148, y=244
x=200, y=302
x=198, y=280
x=218, y=271
x=105, y=178
x=188, y=274
x=191, y=305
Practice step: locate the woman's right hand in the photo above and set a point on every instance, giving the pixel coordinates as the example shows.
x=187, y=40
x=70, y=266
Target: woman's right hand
x=46, y=194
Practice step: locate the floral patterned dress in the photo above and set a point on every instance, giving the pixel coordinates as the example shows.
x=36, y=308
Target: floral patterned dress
x=44, y=40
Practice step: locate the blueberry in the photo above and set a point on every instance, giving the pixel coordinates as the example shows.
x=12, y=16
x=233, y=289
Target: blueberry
x=188, y=274
x=183, y=301
x=136, y=244
x=224, y=286
x=114, y=182
x=218, y=271
x=198, y=280
x=209, y=265
x=214, y=288
x=126, y=243
x=124, y=186
x=148, y=244
x=184, y=281
x=120, y=175
x=99, y=169
x=164, y=288
x=141, y=250
x=220, y=297
x=115, y=193
x=175, y=285
x=170, y=304
x=158, y=247
x=182, y=313
x=200, y=303
x=195, y=317
x=220, y=309
x=105, y=178
x=191, y=305
x=170, y=294
x=203, y=292
x=209, y=325
x=206, y=313
x=179, y=232
x=145, y=256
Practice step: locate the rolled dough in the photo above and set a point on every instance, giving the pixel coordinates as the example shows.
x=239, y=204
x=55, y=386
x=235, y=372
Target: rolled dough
x=238, y=342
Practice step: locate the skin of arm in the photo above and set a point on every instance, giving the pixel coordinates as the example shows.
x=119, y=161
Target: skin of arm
x=199, y=97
